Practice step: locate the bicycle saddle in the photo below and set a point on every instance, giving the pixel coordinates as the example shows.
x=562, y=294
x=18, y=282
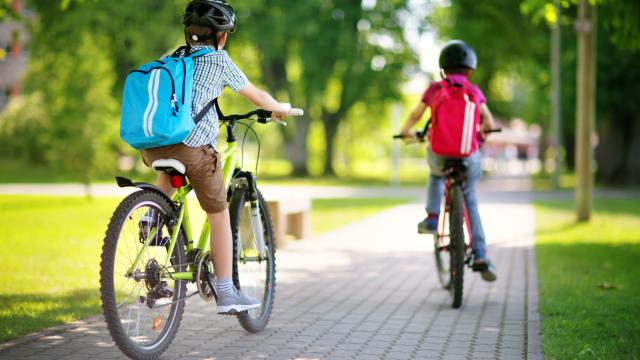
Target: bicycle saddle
x=169, y=166
x=457, y=164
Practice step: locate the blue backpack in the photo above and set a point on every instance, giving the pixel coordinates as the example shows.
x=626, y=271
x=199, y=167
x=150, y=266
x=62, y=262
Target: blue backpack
x=156, y=103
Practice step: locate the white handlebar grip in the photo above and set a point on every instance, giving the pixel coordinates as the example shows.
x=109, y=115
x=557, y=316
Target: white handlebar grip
x=296, y=112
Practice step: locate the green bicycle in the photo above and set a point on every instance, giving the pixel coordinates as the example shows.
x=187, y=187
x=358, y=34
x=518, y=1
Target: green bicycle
x=150, y=255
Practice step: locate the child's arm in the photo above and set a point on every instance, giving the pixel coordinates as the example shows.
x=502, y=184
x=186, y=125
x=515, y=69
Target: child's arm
x=413, y=118
x=264, y=101
x=486, y=118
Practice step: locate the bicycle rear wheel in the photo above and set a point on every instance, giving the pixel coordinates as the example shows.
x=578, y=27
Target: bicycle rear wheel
x=254, y=265
x=456, y=245
x=142, y=307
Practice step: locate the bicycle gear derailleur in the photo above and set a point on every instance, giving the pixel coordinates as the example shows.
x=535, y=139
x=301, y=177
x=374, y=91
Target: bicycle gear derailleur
x=157, y=289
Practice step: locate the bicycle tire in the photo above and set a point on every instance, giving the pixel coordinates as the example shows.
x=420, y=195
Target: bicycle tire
x=253, y=320
x=456, y=245
x=115, y=235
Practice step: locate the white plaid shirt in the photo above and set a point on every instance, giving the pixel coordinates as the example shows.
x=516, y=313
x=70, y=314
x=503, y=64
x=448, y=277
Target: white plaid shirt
x=212, y=72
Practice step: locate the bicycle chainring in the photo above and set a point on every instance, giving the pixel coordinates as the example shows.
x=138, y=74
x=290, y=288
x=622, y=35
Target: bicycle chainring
x=206, y=278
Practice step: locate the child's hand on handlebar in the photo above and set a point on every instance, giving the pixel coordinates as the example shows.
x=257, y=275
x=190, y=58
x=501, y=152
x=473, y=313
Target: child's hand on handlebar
x=409, y=136
x=282, y=113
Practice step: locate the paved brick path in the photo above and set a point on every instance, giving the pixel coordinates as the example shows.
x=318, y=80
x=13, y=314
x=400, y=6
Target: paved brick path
x=365, y=291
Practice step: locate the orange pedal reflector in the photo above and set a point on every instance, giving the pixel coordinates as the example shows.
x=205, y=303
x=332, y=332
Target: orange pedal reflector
x=156, y=323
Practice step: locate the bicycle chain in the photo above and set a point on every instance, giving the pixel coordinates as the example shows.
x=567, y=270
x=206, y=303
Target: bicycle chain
x=185, y=298
x=175, y=301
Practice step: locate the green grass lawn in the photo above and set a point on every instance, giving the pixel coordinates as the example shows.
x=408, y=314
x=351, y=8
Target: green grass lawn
x=49, y=260
x=542, y=182
x=50, y=254
x=589, y=280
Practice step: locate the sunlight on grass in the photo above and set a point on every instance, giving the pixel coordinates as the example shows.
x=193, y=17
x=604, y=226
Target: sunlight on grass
x=49, y=260
x=589, y=286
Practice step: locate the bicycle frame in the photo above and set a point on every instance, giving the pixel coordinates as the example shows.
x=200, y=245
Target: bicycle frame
x=442, y=222
x=229, y=160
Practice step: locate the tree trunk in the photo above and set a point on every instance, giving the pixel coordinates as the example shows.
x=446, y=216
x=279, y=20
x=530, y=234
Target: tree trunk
x=296, y=144
x=330, y=121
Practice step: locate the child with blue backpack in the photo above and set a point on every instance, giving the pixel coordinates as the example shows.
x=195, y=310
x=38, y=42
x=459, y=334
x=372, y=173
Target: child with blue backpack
x=207, y=25
x=454, y=134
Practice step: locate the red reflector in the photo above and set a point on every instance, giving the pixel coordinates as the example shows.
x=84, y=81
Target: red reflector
x=176, y=181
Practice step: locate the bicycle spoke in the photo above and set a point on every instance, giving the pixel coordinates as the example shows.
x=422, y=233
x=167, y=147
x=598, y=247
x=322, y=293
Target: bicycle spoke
x=129, y=297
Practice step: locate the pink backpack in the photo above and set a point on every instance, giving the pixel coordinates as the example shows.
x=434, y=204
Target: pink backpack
x=455, y=121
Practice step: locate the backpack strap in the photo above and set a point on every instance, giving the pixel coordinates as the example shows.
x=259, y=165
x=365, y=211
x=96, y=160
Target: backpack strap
x=206, y=109
x=188, y=52
x=199, y=53
x=442, y=87
x=186, y=49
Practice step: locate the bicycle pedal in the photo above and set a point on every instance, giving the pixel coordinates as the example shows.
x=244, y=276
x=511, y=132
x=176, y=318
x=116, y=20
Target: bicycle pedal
x=479, y=267
x=230, y=313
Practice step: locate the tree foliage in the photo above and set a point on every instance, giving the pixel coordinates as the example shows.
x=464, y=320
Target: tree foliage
x=511, y=38
x=512, y=54
x=327, y=56
x=80, y=54
x=6, y=10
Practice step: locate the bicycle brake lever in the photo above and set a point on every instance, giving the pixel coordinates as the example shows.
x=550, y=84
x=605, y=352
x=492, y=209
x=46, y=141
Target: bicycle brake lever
x=263, y=116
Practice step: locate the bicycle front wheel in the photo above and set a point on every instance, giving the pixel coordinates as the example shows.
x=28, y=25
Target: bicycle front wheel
x=254, y=265
x=443, y=259
x=142, y=304
x=456, y=245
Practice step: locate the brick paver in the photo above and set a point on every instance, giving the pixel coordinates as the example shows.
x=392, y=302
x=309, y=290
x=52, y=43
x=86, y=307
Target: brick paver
x=365, y=291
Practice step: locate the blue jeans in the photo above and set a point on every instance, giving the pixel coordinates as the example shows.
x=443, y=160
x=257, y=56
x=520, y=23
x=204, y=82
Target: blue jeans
x=435, y=193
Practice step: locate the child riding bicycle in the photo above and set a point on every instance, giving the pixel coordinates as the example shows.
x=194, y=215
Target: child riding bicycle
x=207, y=25
x=469, y=116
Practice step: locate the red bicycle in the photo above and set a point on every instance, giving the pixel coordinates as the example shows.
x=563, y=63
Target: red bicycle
x=453, y=250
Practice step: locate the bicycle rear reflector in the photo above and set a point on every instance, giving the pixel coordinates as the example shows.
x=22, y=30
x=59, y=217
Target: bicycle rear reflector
x=176, y=181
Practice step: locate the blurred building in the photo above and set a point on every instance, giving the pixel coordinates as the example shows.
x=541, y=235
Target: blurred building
x=515, y=150
x=13, y=55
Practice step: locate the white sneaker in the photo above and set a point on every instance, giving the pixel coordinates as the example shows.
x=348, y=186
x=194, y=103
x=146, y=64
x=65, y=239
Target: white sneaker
x=236, y=302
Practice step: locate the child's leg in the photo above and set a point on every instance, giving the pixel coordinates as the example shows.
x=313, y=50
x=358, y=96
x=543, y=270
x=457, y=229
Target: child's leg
x=474, y=172
x=435, y=187
x=164, y=183
x=435, y=190
x=221, y=244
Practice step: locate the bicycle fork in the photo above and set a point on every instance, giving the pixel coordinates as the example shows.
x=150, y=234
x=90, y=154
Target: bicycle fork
x=256, y=226
x=246, y=179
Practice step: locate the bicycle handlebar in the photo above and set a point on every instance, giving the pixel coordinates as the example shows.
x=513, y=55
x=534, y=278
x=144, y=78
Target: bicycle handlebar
x=421, y=135
x=264, y=116
x=418, y=134
x=492, y=131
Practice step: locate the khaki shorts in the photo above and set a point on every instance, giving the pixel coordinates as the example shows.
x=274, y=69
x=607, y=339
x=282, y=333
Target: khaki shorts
x=204, y=171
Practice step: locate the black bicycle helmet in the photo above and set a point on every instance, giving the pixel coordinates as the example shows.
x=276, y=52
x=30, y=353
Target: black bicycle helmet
x=216, y=14
x=457, y=54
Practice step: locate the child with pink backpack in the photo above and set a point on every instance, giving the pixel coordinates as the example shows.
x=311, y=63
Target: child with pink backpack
x=458, y=114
